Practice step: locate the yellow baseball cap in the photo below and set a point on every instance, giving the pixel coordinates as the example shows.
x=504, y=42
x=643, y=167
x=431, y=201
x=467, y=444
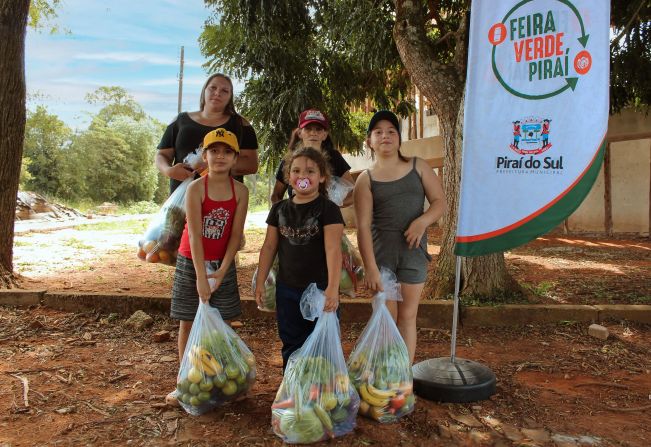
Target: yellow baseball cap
x=221, y=136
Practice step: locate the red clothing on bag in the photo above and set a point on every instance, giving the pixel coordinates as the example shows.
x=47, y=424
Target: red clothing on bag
x=217, y=221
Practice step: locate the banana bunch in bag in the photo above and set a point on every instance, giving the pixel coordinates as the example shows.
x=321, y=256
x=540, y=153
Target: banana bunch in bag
x=217, y=366
x=379, y=365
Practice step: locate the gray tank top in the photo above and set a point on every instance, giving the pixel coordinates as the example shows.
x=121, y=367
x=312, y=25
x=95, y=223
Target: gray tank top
x=397, y=203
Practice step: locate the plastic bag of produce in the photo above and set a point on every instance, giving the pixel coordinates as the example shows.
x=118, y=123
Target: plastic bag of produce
x=163, y=236
x=352, y=269
x=217, y=366
x=379, y=366
x=338, y=188
x=315, y=400
x=269, y=299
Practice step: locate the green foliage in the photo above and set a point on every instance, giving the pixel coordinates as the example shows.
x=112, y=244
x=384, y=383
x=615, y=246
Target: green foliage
x=294, y=58
x=25, y=176
x=259, y=186
x=117, y=102
x=359, y=123
x=630, y=54
x=162, y=191
x=46, y=140
x=115, y=160
x=112, y=160
x=42, y=14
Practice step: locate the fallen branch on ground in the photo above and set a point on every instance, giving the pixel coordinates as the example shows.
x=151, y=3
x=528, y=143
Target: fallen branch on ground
x=612, y=385
x=26, y=371
x=629, y=409
x=25, y=387
x=102, y=412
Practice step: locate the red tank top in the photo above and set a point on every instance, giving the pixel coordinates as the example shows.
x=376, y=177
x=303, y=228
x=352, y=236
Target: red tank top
x=217, y=221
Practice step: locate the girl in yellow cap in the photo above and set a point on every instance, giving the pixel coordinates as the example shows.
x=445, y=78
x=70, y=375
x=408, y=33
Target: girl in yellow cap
x=216, y=210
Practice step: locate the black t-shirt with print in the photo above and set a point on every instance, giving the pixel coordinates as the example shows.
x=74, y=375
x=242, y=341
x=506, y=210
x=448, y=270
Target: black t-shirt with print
x=301, y=249
x=185, y=135
x=338, y=166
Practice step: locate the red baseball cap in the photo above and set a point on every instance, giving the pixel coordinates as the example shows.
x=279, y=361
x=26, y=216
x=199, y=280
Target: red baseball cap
x=313, y=116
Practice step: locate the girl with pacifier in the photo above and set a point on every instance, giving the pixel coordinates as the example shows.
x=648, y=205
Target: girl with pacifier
x=305, y=231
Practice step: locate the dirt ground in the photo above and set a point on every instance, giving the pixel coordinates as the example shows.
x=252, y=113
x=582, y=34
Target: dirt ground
x=554, y=269
x=92, y=381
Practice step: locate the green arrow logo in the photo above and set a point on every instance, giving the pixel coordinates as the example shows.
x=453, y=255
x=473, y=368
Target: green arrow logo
x=571, y=82
x=583, y=40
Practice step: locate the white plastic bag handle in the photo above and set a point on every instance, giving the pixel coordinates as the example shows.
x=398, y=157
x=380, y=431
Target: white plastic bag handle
x=338, y=189
x=312, y=302
x=391, y=288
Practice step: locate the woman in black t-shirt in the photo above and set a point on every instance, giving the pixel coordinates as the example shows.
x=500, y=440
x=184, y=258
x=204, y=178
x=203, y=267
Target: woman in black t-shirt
x=186, y=132
x=313, y=131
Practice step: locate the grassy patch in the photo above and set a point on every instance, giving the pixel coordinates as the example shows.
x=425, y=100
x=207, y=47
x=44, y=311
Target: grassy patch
x=633, y=298
x=22, y=243
x=499, y=299
x=136, y=226
x=542, y=289
x=76, y=243
x=139, y=208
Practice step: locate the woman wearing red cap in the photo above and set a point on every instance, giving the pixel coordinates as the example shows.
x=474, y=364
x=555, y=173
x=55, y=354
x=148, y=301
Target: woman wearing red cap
x=313, y=131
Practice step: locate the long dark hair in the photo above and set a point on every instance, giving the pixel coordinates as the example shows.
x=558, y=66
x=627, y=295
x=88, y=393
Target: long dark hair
x=311, y=154
x=230, y=107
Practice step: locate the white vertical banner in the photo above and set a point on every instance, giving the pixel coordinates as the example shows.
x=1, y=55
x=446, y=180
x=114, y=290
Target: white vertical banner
x=536, y=114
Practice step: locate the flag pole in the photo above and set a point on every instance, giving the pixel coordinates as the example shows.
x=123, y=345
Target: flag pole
x=455, y=311
x=452, y=379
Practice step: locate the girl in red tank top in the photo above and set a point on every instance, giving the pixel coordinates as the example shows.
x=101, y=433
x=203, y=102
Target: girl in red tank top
x=217, y=221
x=215, y=207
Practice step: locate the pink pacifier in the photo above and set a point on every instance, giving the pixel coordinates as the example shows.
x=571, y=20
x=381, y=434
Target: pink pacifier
x=303, y=183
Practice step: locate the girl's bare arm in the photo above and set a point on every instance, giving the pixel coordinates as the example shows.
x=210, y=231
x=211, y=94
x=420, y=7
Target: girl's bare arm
x=364, y=217
x=266, y=259
x=332, y=239
x=193, y=199
x=437, y=204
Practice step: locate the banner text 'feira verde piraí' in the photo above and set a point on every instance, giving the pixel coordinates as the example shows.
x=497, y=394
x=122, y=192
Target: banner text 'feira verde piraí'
x=536, y=115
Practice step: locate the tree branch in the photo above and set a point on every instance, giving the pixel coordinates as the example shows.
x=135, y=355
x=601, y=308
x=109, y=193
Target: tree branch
x=627, y=28
x=461, y=47
x=434, y=7
x=439, y=82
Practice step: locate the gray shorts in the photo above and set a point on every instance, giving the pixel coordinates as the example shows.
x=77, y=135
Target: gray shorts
x=391, y=251
x=185, y=298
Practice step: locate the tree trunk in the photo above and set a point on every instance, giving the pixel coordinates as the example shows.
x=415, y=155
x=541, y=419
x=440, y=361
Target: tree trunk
x=443, y=85
x=13, y=22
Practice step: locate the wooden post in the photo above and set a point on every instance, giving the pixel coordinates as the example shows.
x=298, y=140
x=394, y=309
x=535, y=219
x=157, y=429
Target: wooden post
x=180, y=102
x=608, y=206
x=649, y=236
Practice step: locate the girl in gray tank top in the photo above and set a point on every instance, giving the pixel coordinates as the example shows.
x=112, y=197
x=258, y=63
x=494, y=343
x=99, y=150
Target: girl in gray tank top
x=392, y=222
